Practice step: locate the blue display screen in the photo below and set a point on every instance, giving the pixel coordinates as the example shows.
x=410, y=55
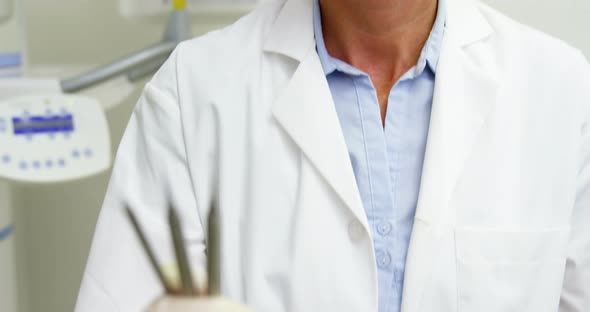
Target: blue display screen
x=42, y=124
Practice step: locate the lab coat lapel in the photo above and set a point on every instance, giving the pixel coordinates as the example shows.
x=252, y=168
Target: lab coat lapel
x=465, y=94
x=305, y=109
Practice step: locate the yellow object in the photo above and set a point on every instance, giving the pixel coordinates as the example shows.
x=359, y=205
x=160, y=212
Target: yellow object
x=186, y=304
x=172, y=276
x=179, y=5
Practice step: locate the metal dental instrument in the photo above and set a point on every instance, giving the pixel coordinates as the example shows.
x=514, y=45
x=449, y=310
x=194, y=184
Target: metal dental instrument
x=148, y=250
x=213, y=251
x=181, y=256
x=186, y=277
x=141, y=63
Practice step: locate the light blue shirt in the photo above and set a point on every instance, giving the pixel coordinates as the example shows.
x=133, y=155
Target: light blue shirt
x=387, y=161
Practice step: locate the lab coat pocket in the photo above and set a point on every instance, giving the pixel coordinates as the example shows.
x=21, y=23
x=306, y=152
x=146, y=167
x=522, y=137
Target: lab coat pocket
x=505, y=271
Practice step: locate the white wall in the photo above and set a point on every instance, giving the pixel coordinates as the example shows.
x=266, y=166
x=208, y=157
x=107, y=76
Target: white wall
x=565, y=19
x=92, y=31
x=9, y=33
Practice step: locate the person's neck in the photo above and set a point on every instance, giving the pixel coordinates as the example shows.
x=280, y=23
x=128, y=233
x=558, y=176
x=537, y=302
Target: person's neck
x=383, y=38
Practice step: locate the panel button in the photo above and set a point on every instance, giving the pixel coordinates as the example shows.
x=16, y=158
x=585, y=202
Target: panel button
x=384, y=228
x=6, y=159
x=356, y=230
x=76, y=154
x=36, y=164
x=88, y=153
x=49, y=163
x=61, y=162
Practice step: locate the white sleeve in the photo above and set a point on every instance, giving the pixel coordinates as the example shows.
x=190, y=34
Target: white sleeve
x=151, y=169
x=576, y=288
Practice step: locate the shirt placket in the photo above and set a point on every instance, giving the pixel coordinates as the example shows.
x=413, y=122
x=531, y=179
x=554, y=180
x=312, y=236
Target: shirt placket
x=380, y=207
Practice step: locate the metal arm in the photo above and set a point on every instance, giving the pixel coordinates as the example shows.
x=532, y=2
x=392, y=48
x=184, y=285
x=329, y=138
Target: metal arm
x=117, y=68
x=139, y=64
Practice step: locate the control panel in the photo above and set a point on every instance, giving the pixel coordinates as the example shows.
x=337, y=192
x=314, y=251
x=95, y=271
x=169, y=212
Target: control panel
x=52, y=138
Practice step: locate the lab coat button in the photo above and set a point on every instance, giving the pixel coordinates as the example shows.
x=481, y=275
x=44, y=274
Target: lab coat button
x=355, y=230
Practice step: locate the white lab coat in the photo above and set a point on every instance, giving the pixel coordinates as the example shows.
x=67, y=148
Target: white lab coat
x=245, y=114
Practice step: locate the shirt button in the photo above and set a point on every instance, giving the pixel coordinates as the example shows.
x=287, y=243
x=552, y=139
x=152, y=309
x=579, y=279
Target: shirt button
x=355, y=230
x=384, y=260
x=384, y=228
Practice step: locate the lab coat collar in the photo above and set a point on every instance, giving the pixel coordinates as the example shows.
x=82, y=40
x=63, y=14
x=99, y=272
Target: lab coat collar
x=306, y=111
x=292, y=32
x=305, y=108
x=464, y=98
x=466, y=23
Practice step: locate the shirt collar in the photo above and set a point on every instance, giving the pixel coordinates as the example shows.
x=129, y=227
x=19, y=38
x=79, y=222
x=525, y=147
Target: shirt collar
x=429, y=56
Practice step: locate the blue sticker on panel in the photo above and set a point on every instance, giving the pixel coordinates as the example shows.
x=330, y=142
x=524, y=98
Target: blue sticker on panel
x=43, y=124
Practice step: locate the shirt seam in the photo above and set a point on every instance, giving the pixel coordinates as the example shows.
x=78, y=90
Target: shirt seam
x=369, y=175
